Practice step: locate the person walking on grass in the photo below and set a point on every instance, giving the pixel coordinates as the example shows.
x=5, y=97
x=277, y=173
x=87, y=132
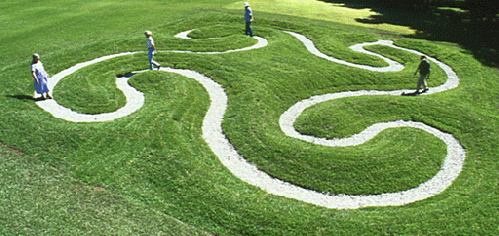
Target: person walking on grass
x=424, y=72
x=40, y=77
x=151, y=50
x=248, y=18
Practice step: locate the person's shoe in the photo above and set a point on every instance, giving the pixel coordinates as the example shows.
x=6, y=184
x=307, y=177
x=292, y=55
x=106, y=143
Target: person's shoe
x=159, y=67
x=49, y=97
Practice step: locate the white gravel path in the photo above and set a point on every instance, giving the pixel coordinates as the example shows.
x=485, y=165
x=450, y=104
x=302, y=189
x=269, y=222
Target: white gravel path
x=214, y=136
x=135, y=99
x=184, y=35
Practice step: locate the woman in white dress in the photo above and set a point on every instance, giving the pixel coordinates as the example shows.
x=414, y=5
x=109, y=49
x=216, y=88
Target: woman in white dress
x=40, y=77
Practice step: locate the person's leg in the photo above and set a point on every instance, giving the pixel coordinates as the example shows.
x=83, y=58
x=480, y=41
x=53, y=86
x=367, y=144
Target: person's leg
x=38, y=87
x=150, y=55
x=42, y=88
x=420, y=82
x=46, y=88
x=156, y=64
x=249, y=30
x=425, y=85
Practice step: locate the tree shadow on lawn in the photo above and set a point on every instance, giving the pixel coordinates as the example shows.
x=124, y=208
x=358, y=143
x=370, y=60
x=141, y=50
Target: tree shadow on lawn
x=479, y=37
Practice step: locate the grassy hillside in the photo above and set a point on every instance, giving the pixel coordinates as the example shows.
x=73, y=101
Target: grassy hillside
x=152, y=173
x=38, y=198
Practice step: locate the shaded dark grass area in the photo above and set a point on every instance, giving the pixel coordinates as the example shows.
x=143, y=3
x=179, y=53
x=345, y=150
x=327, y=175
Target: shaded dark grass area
x=478, y=36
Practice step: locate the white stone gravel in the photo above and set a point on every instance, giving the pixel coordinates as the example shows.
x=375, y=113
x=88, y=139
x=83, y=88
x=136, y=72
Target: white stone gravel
x=184, y=35
x=135, y=99
x=214, y=136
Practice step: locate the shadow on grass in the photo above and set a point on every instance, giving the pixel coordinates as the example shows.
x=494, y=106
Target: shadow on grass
x=125, y=75
x=26, y=97
x=479, y=37
x=410, y=94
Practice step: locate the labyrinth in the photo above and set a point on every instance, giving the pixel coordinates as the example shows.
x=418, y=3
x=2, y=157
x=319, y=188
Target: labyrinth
x=300, y=130
x=213, y=134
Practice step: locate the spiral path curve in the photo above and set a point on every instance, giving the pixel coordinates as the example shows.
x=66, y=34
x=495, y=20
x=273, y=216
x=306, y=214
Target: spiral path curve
x=214, y=136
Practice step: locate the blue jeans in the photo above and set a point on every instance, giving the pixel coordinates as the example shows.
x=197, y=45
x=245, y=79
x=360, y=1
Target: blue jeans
x=421, y=81
x=150, y=55
x=249, y=30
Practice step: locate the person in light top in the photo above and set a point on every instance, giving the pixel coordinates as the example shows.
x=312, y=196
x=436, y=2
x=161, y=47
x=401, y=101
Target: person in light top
x=151, y=50
x=40, y=77
x=248, y=18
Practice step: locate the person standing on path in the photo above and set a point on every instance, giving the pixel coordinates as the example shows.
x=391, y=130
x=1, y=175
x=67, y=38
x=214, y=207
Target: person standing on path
x=151, y=50
x=248, y=18
x=424, y=72
x=40, y=77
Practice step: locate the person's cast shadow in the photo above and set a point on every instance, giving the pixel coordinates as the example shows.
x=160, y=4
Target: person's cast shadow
x=26, y=97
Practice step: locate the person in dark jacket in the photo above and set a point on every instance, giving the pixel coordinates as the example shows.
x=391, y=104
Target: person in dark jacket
x=424, y=72
x=248, y=18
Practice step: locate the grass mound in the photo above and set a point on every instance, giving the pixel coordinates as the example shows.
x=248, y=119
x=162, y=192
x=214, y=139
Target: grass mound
x=154, y=163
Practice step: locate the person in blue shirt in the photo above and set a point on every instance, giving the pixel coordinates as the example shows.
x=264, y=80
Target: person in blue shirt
x=424, y=72
x=248, y=18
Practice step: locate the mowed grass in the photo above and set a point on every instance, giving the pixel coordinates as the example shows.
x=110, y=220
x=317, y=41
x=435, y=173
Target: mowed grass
x=39, y=199
x=156, y=163
x=320, y=10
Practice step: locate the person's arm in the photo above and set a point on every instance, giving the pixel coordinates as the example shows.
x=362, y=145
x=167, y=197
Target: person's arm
x=34, y=76
x=419, y=67
x=46, y=74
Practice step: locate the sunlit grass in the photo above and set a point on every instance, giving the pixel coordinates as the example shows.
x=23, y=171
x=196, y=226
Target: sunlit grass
x=40, y=199
x=318, y=10
x=152, y=170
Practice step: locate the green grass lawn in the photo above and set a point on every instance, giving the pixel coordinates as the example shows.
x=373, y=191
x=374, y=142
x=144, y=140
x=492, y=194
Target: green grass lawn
x=38, y=198
x=321, y=10
x=152, y=173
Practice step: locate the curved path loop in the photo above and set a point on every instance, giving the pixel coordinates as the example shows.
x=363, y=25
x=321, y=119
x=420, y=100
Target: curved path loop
x=214, y=136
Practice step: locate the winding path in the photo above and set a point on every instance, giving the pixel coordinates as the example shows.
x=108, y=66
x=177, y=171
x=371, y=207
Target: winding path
x=214, y=136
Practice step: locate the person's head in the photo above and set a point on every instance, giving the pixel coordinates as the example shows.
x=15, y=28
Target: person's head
x=246, y=4
x=148, y=33
x=36, y=58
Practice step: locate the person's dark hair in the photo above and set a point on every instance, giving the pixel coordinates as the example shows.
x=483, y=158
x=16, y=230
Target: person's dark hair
x=423, y=57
